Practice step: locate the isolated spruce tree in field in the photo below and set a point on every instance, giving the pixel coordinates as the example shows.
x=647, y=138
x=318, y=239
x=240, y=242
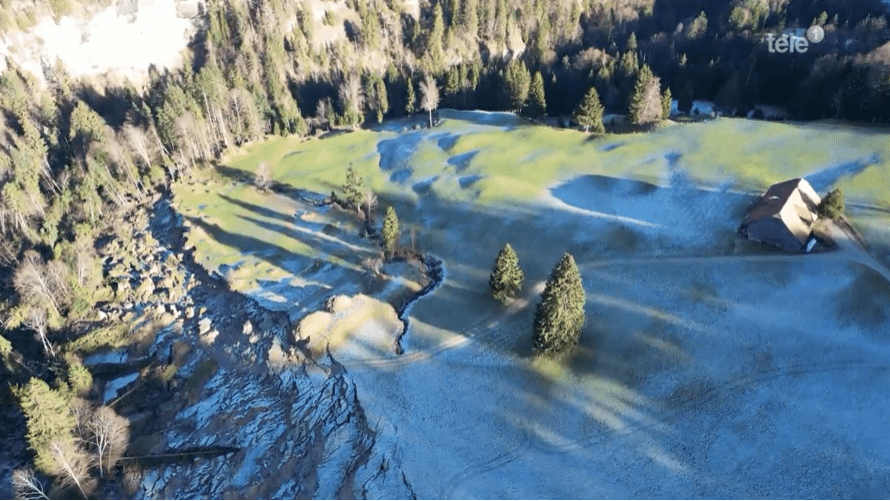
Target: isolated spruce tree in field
x=506, y=278
x=537, y=104
x=352, y=189
x=590, y=112
x=832, y=206
x=666, y=103
x=560, y=314
x=390, y=231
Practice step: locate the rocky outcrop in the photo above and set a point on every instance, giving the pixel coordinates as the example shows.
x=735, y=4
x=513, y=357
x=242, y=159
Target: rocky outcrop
x=296, y=424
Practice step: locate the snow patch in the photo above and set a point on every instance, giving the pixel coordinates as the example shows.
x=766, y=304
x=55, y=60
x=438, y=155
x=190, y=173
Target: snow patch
x=111, y=357
x=113, y=386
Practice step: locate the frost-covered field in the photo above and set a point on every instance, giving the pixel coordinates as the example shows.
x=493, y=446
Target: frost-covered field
x=708, y=367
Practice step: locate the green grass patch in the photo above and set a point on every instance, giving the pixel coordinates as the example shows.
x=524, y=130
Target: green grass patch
x=109, y=337
x=234, y=224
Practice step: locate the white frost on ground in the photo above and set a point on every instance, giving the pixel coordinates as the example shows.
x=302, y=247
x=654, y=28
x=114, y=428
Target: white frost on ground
x=698, y=108
x=702, y=107
x=696, y=376
x=113, y=386
x=111, y=357
x=106, y=42
x=770, y=112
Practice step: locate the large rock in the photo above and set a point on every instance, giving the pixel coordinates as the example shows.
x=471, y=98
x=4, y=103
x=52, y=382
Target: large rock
x=204, y=325
x=247, y=329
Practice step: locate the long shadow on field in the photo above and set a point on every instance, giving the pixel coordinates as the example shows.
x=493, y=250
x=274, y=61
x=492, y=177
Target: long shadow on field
x=545, y=412
x=330, y=246
x=278, y=257
x=262, y=211
x=824, y=179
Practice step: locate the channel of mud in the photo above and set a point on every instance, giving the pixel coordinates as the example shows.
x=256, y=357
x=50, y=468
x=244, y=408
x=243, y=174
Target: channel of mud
x=434, y=271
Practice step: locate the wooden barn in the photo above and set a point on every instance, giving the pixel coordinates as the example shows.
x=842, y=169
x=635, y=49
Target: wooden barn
x=784, y=216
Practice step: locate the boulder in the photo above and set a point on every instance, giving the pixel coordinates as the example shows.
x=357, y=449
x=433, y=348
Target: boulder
x=204, y=325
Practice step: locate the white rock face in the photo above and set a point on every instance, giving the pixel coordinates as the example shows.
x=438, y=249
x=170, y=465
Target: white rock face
x=124, y=39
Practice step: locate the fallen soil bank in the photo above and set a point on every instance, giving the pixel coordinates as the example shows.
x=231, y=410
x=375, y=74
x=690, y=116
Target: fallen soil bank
x=435, y=274
x=286, y=406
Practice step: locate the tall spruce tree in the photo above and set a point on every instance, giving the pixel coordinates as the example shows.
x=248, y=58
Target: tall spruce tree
x=516, y=82
x=559, y=317
x=452, y=86
x=832, y=206
x=48, y=419
x=352, y=188
x=589, y=113
x=410, y=97
x=506, y=277
x=390, y=232
x=645, y=101
x=537, y=102
x=666, y=103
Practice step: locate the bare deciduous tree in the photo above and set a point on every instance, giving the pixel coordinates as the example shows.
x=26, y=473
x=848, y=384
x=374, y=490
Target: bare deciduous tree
x=369, y=203
x=121, y=156
x=262, y=179
x=38, y=283
x=429, y=96
x=352, y=98
x=25, y=485
x=38, y=322
x=138, y=141
x=110, y=433
x=82, y=410
x=72, y=466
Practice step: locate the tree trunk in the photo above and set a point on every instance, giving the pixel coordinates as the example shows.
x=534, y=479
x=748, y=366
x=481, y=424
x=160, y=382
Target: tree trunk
x=431, y=118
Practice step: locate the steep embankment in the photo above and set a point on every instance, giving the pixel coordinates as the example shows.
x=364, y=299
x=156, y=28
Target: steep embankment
x=220, y=405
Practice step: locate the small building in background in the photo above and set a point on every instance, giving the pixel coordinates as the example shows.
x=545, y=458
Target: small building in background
x=784, y=216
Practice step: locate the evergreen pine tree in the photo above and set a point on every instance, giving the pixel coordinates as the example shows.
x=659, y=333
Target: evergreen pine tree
x=452, y=86
x=832, y=206
x=468, y=19
x=410, y=98
x=645, y=101
x=632, y=42
x=390, y=232
x=506, y=277
x=559, y=317
x=352, y=189
x=589, y=113
x=517, y=80
x=666, y=103
x=537, y=101
x=48, y=419
x=434, y=47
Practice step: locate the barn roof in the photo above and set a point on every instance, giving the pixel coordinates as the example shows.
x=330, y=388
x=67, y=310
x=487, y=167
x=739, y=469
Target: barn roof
x=793, y=202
